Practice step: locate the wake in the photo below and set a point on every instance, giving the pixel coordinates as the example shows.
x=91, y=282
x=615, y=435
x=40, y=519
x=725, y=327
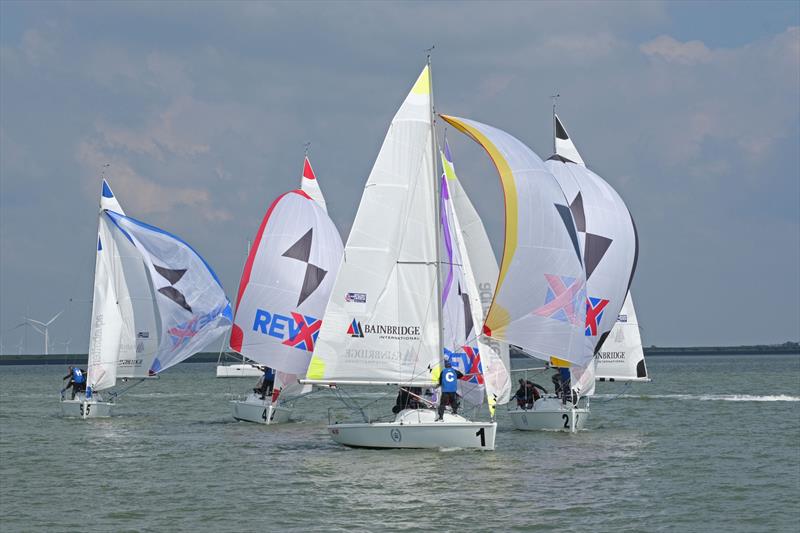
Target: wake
x=708, y=397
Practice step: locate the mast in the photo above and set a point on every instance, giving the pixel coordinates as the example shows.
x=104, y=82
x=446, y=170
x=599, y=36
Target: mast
x=438, y=210
x=555, y=150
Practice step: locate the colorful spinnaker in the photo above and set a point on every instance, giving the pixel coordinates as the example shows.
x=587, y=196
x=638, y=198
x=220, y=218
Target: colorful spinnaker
x=608, y=243
x=286, y=283
x=539, y=300
x=156, y=301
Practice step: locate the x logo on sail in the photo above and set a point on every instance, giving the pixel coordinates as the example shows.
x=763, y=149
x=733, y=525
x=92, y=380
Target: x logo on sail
x=301, y=251
x=561, y=299
x=594, y=313
x=307, y=334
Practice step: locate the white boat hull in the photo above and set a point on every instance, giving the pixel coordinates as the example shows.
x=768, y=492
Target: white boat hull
x=80, y=407
x=416, y=428
x=551, y=415
x=259, y=411
x=238, y=371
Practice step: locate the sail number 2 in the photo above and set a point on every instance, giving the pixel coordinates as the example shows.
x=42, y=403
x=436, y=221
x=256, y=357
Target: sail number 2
x=480, y=433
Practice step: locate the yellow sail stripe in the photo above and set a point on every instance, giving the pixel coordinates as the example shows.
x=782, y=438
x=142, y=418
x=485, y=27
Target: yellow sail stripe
x=498, y=317
x=555, y=362
x=423, y=84
x=316, y=368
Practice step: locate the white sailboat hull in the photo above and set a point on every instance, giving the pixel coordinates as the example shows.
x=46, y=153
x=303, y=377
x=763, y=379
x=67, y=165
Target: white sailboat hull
x=550, y=414
x=80, y=407
x=238, y=371
x=259, y=411
x=417, y=428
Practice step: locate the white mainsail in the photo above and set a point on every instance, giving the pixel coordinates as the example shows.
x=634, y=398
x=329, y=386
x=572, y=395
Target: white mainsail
x=538, y=302
x=285, y=285
x=471, y=255
x=310, y=185
x=106, y=326
x=622, y=358
x=382, y=322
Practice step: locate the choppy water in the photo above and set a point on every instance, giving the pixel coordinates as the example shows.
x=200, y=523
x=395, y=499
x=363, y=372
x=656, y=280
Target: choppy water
x=713, y=444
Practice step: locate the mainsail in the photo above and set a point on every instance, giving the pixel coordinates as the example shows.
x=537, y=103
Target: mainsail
x=310, y=185
x=286, y=283
x=156, y=301
x=538, y=302
x=621, y=358
x=382, y=322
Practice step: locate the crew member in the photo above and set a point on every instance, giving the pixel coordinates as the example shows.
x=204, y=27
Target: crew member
x=449, y=383
x=265, y=383
x=77, y=380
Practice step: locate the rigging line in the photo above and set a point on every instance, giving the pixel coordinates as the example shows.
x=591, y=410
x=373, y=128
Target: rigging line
x=117, y=394
x=616, y=396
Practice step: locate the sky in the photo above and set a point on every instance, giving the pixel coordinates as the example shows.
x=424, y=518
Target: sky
x=690, y=110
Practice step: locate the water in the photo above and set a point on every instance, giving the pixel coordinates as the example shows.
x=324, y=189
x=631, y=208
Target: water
x=713, y=444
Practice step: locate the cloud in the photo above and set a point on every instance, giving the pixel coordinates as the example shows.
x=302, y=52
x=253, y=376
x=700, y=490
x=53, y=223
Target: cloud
x=145, y=196
x=670, y=50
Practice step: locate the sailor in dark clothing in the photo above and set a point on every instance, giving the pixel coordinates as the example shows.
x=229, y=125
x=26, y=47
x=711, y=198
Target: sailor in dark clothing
x=77, y=380
x=449, y=383
x=266, y=383
x=407, y=398
x=562, y=381
x=527, y=393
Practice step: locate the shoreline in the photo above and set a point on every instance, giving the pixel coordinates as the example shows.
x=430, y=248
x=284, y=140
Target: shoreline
x=650, y=351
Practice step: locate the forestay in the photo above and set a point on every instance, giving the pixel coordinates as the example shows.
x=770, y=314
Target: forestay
x=621, y=358
x=285, y=285
x=381, y=324
x=541, y=286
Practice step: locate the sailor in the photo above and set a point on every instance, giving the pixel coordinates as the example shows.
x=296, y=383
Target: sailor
x=527, y=393
x=449, y=383
x=265, y=383
x=77, y=380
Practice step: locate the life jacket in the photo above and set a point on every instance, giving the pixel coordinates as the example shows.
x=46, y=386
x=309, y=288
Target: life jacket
x=77, y=375
x=269, y=374
x=449, y=380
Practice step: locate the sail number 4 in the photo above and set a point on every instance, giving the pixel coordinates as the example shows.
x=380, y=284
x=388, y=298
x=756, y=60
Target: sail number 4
x=481, y=433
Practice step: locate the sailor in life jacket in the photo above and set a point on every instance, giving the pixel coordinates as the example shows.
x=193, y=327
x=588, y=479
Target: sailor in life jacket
x=265, y=383
x=448, y=380
x=77, y=380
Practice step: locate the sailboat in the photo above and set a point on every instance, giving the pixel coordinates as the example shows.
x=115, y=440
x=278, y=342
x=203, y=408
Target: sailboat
x=383, y=324
x=622, y=358
x=245, y=368
x=156, y=302
x=606, y=238
x=285, y=286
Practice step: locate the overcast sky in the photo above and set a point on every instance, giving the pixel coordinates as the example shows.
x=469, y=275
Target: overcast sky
x=689, y=110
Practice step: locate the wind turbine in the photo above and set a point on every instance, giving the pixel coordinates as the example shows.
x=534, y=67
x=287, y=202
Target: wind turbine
x=41, y=327
x=66, y=345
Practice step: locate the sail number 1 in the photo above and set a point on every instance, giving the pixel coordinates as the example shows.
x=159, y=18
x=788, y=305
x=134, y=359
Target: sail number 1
x=480, y=433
